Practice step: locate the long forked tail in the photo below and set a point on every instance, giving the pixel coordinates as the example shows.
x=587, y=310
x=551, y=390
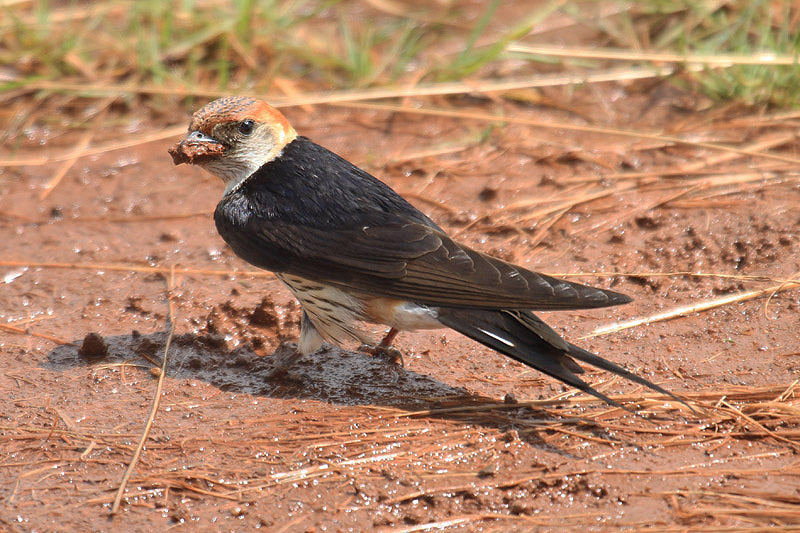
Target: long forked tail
x=523, y=336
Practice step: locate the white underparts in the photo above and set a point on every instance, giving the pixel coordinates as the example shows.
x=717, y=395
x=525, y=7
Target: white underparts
x=339, y=317
x=410, y=316
x=310, y=339
x=333, y=313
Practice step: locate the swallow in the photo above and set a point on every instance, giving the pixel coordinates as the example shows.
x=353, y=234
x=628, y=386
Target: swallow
x=354, y=252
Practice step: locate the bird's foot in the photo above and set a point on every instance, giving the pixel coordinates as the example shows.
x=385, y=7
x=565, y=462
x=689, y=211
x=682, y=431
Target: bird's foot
x=386, y=353
x=283, y=363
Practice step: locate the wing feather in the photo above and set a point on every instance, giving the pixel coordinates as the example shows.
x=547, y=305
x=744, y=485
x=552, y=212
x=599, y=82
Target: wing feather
x=313, y=214
x=415, y=262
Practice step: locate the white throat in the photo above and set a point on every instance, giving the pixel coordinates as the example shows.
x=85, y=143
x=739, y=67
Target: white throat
x=234, y=183
x=234, y=168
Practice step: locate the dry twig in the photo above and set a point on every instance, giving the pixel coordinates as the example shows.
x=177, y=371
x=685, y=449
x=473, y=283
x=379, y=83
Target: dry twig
x=156, y=401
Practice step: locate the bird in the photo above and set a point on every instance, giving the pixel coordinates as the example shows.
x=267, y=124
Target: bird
x=354, y=252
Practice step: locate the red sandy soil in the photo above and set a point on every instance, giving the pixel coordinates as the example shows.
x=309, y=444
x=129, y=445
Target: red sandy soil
x=345, y=442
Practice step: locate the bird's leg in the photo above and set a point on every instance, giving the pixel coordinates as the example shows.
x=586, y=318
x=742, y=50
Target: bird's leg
x=388, y=339
x=310, y=340
x=281, y=366
x=384, y=349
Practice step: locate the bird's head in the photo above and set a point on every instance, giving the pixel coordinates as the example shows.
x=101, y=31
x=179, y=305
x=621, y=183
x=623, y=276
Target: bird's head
x=233, y=137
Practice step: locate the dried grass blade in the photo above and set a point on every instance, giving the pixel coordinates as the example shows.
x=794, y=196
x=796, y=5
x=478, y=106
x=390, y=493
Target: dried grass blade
x=770, y=141
x=108, y=147
x=719, y=60
x=83, y=143
x=156, y=402
x=111, y=267
x=379, y=93
x=690, y=309
x=569, y=127
x=21, y=331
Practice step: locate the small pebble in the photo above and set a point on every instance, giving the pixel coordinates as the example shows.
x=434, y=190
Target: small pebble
x=487, y=194
x=93, y=346
x=488, y=470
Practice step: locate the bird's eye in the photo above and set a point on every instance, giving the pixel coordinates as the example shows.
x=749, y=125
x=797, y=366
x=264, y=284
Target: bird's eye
x=246, y=127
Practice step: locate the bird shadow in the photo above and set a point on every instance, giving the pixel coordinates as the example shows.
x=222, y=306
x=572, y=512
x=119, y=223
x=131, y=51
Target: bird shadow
x=330, y=375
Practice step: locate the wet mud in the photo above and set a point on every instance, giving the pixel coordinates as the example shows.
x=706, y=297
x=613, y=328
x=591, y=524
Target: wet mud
x=461, y=437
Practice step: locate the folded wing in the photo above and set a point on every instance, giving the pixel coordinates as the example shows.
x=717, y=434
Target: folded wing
x=412, y=261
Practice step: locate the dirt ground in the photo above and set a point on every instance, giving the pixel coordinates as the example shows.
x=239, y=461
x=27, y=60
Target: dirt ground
x=462, y=437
